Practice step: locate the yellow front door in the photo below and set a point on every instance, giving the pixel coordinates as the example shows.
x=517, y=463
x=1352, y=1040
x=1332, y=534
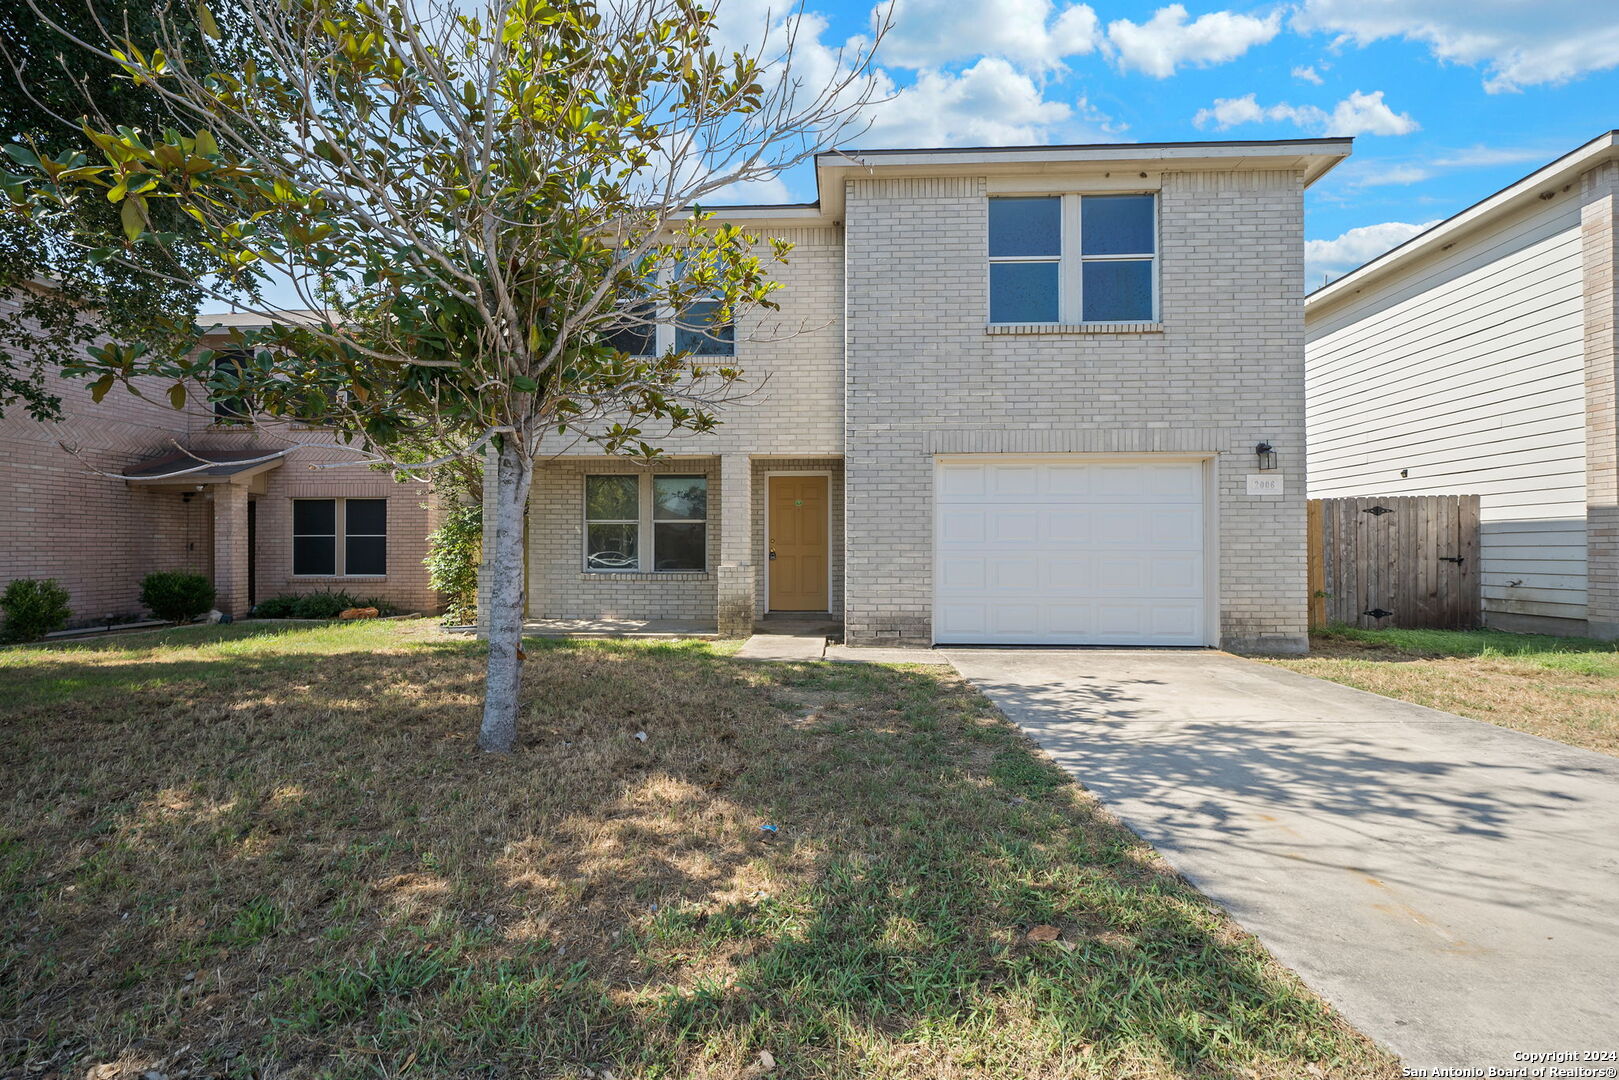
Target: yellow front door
x=798, y=543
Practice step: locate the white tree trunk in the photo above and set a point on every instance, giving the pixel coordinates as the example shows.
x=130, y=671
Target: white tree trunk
x=513, y=473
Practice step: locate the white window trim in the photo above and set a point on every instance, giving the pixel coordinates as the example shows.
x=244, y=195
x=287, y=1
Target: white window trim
x=339, y=539
x=1070, y=262
x=645, y=523
x=663, y=330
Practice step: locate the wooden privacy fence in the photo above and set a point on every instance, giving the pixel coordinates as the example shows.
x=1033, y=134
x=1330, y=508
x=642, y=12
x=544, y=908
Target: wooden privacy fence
x=1410, y=561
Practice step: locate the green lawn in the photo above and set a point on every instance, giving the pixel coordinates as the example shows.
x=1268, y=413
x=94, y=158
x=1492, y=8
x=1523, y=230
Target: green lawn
x=1561, y=688
x=258, y=850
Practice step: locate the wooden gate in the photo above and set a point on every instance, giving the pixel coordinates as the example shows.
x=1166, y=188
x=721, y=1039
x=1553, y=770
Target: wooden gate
x=1410, y=561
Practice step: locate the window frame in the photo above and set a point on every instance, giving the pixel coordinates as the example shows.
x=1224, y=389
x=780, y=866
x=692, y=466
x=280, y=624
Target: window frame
x=339, y=537
x=646, y=523
x=665, y=333
x=637, y=521
x=1071, y=260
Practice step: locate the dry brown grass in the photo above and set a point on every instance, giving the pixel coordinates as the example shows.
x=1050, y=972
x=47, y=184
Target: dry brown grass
x=1565, y=689
x=277, y=853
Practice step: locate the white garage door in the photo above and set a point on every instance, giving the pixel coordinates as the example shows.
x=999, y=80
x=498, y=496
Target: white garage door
x=1081, y=552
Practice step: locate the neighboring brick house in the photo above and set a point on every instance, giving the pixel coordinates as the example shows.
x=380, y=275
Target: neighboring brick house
x=1011, y=396
x=1479, y=358
x=259, y=524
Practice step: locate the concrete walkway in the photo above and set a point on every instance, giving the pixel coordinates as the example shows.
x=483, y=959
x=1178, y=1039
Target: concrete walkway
x=1451, y=886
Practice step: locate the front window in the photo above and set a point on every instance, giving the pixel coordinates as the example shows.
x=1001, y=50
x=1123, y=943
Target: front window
x=321, y=549
x=612, y=522
x=646, y=522
x=231, y=364
x=645, y=330
x=1073, y=259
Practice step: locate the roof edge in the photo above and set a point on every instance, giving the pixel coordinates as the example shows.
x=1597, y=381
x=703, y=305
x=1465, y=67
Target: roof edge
x=1579, y=160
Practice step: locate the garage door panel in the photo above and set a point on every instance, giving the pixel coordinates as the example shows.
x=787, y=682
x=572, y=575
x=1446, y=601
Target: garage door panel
x=962, y=574
x=1081, y=552
x=1014, y=574
x=959, y=526
x=1013, y=527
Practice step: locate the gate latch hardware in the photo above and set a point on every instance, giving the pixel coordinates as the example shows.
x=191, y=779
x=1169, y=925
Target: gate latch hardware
x=1377, y=511
x=1378, y=613
x=1457, y=559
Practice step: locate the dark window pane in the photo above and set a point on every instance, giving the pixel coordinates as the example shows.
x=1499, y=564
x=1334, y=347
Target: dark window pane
x=612, y=547
x=229, y=367
x=366, y=517
x=317, y=516
x=637, y=339
x=1025, y=226
x=680, y=547
x=612, y=498
x=365, y=555
x=697, y=334
x=1022, y=292
x=682, y=498
x=1116, y=225
x=314, y=555
x=1118, y=291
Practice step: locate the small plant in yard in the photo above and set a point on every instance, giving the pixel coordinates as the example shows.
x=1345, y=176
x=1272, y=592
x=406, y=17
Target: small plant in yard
x=176, y=597
x=452, y=563
x=33, y=608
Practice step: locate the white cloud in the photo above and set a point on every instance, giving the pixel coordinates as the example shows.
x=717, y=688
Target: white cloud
x=989, y=104
x=1366, y=114
x=1384, y=175
x=1031, y=33
x=751, y=193
x=1476, y=157
x=1307, y=74
x=1357, y=114
x=1167, y=41
x=1518, y=44
x=1336, y=257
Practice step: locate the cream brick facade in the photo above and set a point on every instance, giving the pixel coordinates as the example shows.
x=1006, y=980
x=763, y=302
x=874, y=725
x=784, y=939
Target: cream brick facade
x=60, y=517
x=881, y=360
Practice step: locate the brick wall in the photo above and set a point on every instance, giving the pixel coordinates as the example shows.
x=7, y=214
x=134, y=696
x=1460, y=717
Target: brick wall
x=100, y=535
x=1599, y=243
x=558, y=585
x=1223, y=372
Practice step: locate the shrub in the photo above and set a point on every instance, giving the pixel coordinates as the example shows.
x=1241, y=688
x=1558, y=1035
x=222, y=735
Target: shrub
x=322, y=605
x=33, y=609
x=275, y=607
x=176, y=597
x=452, y=563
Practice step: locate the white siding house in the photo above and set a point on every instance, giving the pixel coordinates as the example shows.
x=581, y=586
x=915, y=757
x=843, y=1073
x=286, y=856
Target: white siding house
x=1464, y=362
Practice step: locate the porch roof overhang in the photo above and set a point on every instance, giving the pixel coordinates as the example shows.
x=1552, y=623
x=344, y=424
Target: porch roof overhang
x=202, y=467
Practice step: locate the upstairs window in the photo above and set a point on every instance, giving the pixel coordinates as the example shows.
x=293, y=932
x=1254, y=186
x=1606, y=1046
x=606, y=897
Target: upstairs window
x=697, y=331
x=232, y=363
x=1073, y=259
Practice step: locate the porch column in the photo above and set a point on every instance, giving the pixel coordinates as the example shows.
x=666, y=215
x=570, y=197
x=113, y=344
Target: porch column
x=736, y=569
x=230, y=549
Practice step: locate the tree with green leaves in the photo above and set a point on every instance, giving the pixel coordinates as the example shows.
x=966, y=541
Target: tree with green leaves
x=60, y=298
x=482, y=206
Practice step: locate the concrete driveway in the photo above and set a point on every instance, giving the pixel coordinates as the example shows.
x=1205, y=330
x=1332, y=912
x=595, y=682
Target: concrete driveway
x=1451, y=886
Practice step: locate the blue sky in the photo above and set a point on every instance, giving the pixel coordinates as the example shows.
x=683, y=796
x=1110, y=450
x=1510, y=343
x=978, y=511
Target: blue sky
x=1449, y=100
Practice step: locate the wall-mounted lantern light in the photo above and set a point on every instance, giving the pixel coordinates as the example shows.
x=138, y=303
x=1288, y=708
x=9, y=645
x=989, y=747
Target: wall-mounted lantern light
x=1266, y=455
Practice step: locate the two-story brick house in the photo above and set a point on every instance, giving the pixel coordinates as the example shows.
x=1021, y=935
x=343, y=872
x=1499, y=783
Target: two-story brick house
x=134, y=496
x=1012, y=396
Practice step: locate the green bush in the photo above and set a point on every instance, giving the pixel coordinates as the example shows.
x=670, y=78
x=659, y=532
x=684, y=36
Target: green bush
x=322, y=605
x=275, y=607
x=176, y=597
x=452, y=563
x=33, y=609
x=316, y=605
